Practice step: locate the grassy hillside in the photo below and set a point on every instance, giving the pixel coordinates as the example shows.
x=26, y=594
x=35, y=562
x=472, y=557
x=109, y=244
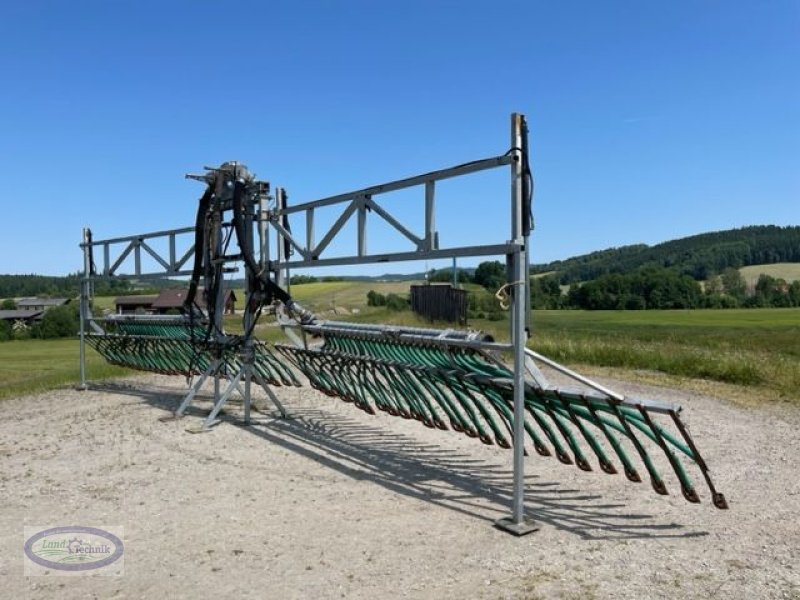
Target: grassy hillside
x=348, y=294
x=787, y=271
x=699, y=255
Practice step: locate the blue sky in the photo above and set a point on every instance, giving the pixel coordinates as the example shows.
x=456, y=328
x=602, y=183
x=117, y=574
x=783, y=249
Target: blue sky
x=649, y=120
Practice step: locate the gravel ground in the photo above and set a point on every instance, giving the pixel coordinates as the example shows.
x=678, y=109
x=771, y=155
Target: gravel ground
x=334, y=503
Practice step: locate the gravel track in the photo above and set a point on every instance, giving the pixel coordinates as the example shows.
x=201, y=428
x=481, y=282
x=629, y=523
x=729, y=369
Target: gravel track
x=334, y=503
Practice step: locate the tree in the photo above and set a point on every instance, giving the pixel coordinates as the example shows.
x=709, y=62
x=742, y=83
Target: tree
x=5, y=331
x=794, y=293
x=647, y=288
x=490, y=274
x=8, y=304
x=20, y=330
x=60, y=321
x=301, y=279
x=713, y=286
x=375, y=298
x=446, y=275
x=395, y=302
x=772, y=292
x=546, y=293
x=632, y=302
x=733, y=283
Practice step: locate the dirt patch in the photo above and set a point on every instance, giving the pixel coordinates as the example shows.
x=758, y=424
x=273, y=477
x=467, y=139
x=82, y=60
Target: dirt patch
x=334, y=503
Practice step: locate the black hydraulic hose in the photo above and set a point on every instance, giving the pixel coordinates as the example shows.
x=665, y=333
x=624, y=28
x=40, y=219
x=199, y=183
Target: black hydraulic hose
x=92, y=268
x=287, y=247
x=199, y=229
x=197, y=268
x=527, y=183
x=270, y=288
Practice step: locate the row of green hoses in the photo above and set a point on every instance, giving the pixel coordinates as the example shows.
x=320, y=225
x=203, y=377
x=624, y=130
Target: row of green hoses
x=476, y=396
x=155, y=329
x=171, y=356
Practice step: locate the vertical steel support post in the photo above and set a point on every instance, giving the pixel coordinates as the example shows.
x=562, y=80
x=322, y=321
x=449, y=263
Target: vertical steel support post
x=517, y=523
x=248, y=352
x=430, y=215
x=310, y=228
x=218, y=305
x=362, y=227
x=281, y=274
x=84, y=303
x=263, y=233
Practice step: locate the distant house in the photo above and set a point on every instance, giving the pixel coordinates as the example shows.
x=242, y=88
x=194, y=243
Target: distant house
x=173, y=299
x=40, y=303
x=129, y=305
x=27, y=316
x=167, y=301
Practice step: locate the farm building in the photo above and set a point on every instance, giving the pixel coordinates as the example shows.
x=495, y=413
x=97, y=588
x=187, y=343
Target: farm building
x=27, y=316
x=167, y=301
x=41, y=304
x=128, y=305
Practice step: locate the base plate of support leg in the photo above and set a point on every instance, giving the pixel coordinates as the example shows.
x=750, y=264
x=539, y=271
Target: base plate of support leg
x=171, y=417
x=205, y=427
x=510, y=525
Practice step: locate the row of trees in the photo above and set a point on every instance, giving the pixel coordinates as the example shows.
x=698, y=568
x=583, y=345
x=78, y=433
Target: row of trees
x=301, y=279
x=650, y=288
x=664, y=289
x=67, y=287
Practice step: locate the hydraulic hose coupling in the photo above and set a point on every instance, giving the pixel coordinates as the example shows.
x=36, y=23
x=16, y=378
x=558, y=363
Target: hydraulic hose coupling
x=221, y=179
x=226, y=175
x=300, y=314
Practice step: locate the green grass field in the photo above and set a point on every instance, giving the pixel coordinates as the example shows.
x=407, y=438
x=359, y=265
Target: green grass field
x=756, y=349
x=759, y=348
x=29, y=366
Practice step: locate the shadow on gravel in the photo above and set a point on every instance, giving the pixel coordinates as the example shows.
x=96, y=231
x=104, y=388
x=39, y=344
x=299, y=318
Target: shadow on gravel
x=443, y=477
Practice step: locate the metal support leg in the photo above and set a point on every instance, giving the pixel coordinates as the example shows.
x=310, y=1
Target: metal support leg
x=271, y=395
x=517, y=523
x=211, y=419
x=84, y=304
x=187, y=400
x=247, y=400
x=82, y=385
x=246, y=395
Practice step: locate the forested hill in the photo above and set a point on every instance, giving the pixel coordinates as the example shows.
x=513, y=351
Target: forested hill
x=44, y=285
x=699, y=256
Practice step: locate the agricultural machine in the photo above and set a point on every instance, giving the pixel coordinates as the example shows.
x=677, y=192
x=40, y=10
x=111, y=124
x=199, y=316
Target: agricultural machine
x=445, y=379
